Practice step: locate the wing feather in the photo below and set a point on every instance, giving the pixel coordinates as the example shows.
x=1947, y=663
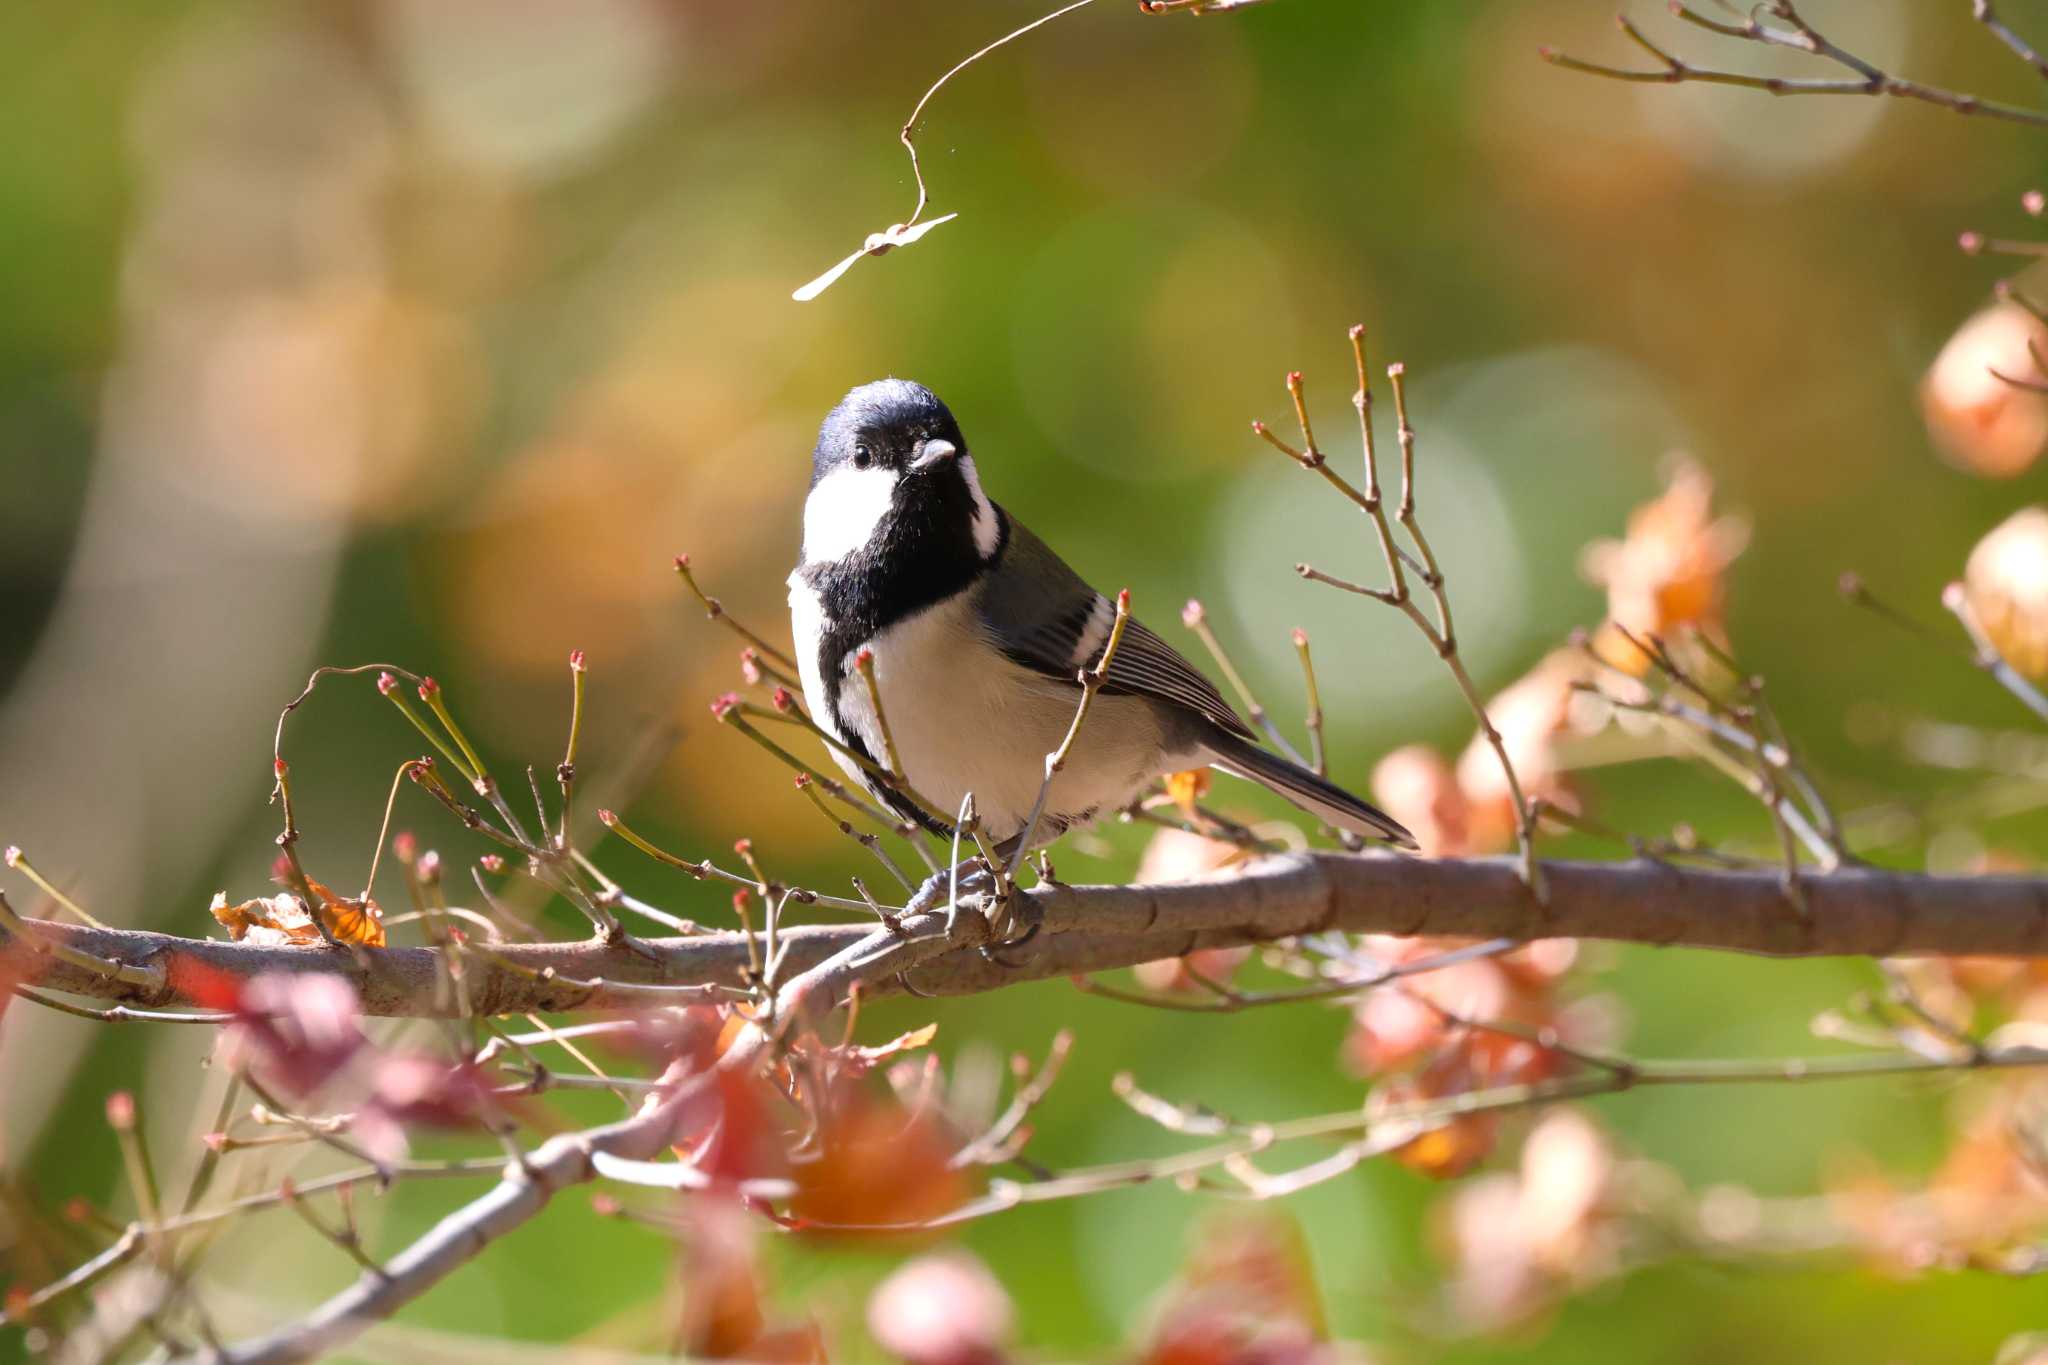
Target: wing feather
x=1045, y=617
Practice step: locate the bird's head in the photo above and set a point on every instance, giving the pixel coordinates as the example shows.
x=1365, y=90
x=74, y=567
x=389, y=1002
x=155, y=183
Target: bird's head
x=890, y=459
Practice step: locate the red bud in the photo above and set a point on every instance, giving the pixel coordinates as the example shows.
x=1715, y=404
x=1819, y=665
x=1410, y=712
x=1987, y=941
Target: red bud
x=492, y=863
x=428, y=687
x=723, y=705
x=576, y=660
x=607, y=818
x=1192, y=614
x=783, y=701
x=121, y=1111
x=386, y=684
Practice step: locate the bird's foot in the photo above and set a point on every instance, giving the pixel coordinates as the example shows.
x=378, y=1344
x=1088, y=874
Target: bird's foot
x=973, y=886
x=967, y=882
x=1021, y=921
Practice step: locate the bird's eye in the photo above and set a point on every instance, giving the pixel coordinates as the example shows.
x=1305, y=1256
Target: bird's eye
x=862, y=457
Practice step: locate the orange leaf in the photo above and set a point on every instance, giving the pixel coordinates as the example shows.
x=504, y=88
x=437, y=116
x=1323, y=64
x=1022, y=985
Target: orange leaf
x=1188, y=787
x=1456, y=1144
x=350, y=921
x=877, y=1165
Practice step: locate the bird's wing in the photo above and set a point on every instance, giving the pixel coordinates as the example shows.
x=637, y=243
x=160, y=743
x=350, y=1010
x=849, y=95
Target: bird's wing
x=1044, y=616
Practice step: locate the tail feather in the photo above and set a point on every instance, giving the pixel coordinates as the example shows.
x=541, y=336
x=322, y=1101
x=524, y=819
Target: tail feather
x=1317, y=795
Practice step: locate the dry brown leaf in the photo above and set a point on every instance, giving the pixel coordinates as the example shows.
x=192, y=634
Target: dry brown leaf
x=269, y=921
x=282, y=920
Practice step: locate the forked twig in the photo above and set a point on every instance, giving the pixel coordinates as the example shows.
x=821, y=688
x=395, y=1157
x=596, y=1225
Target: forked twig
x=1791, y=30
x=1440, y=633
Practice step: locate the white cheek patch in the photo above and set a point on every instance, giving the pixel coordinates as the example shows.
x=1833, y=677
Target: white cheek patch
x=844, y=510
x=986, y=532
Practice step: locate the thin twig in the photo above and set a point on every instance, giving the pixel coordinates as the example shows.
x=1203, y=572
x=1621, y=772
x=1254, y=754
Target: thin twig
x=714, y=610
x=1320, y=760
x=1865, y=77
x=1440, y=633
x=1987, y=656
x=1196, y=618
x=1091, y=682
x=908, y=134
x=1983, y=13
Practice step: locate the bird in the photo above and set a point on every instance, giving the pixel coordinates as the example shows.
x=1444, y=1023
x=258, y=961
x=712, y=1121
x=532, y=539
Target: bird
x=976, y=632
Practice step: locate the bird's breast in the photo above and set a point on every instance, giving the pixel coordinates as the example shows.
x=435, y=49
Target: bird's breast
x=963, y=717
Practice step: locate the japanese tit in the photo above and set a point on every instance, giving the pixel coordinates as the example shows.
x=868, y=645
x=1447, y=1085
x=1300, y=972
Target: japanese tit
x=978, y=631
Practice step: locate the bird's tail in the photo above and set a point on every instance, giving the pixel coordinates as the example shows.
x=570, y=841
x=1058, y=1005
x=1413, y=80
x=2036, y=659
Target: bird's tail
x=1314, y=794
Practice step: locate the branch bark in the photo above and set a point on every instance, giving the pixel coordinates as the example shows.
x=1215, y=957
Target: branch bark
x=1855, y=911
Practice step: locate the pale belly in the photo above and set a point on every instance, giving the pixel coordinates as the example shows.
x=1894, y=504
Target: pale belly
x=963, y=718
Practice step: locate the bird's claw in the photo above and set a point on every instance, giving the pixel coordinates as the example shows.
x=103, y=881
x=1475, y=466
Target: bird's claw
x=952, y=887
x=979, y=889
x=1019, y=912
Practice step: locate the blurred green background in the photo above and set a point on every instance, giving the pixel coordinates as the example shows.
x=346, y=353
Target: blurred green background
x=428, y=330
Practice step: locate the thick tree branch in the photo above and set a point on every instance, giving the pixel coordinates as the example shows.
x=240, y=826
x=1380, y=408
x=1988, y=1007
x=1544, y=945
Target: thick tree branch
x=1856, y=911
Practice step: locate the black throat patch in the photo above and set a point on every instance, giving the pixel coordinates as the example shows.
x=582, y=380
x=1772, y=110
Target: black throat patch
x=923, y=552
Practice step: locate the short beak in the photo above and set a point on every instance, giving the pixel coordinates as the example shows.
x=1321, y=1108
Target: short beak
x=931, y=452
